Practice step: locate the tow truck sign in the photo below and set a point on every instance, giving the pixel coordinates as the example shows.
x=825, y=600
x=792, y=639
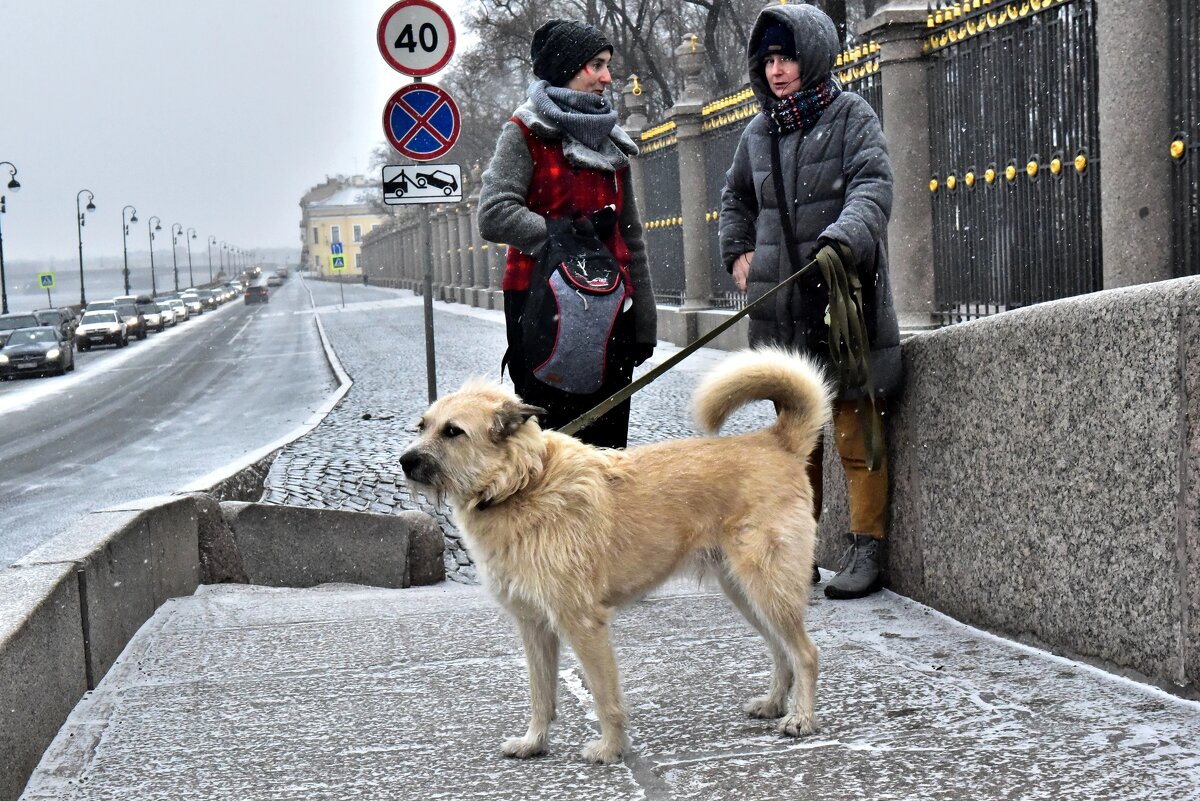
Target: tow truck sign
x=422, y=183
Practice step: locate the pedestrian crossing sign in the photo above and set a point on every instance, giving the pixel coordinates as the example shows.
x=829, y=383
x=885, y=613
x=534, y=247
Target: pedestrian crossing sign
x=46, y=280
x=338, y=263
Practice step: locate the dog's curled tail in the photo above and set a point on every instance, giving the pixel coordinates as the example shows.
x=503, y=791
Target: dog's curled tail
x=798, y=387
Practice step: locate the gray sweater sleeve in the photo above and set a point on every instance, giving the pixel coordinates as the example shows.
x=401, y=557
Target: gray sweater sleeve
x=645, y=311
x=503, y=215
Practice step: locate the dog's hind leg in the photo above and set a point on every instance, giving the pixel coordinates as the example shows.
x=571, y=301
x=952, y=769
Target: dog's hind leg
x=774, y=582
x=774, y=703
x=589, y=639
x=541, y=656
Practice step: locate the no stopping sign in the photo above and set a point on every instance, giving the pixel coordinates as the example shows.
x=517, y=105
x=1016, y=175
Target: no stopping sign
x=416, y=37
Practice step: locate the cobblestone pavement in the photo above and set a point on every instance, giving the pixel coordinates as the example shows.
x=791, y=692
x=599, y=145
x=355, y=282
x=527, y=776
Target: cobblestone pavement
x=352, y=460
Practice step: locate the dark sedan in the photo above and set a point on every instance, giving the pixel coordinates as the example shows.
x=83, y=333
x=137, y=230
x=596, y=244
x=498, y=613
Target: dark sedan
x=255, y=294
x=30, y=351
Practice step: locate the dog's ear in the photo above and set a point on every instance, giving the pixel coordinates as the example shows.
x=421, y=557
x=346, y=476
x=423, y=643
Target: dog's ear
x=512, y=416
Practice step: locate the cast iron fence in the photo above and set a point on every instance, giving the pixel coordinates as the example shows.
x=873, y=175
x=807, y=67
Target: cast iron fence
x=662, y=210
x=1185, y=135
x=1014, y=150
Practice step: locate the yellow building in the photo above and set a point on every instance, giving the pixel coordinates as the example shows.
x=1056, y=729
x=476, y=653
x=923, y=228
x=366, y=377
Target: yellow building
x=342, y=209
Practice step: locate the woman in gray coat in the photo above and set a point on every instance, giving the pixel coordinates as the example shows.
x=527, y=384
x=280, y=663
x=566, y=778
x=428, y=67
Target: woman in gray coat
x=837, y=184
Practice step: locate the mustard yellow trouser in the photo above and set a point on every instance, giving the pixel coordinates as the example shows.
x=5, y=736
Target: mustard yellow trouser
x=867, y=491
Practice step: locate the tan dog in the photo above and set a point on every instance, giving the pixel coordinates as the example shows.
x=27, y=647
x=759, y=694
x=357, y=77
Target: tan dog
x=567, y=533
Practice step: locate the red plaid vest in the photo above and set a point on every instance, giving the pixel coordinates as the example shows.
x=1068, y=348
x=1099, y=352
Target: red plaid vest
x=559, y=189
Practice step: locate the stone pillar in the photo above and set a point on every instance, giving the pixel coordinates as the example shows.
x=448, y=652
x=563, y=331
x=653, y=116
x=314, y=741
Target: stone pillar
x=452, y=232
x=635, y=123
x=465, y=251
x=497, y=256
x=448, y=271
x=688, y=117
x=899, y=28
x=438, y=247
x=1135, y=128
x=478, y=254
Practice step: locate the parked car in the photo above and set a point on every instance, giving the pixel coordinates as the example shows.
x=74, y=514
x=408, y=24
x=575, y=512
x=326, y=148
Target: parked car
x=255, y=294
x=135, y=321
x=11, y=322
x=61, y=318
x=103, y=327
x=30, y=351
x=178, y=306
x=152, y=313
x=168, y=314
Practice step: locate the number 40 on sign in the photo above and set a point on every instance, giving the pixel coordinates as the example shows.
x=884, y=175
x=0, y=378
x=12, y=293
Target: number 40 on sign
x=416, y=37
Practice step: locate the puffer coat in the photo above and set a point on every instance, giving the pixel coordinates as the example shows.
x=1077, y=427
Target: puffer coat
x=838, y=183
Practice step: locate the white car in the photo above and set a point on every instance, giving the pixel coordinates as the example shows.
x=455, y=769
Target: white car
x=178, y=306
x=104, y=327
x=194, y=303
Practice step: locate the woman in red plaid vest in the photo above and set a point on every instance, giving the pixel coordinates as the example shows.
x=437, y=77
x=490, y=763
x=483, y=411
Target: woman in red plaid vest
x=563, y=156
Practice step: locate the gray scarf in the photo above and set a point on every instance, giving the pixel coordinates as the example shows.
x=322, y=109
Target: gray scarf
x=584, y=116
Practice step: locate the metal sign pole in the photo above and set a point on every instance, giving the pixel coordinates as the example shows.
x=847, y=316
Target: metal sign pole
x=423, y=237
x=342, y=289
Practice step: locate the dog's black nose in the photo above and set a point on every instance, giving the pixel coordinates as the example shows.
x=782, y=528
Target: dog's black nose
x=409, y=462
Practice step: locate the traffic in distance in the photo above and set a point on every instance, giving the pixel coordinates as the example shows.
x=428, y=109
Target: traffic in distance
x=45, y=342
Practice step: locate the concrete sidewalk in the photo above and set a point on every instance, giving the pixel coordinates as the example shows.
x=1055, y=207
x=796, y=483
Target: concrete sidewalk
x=347, y=692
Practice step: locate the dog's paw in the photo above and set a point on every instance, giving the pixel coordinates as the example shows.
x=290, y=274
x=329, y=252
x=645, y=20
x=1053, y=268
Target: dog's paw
x=798, y=725
x=523, y=747
x=600, y=752
x=764, y=707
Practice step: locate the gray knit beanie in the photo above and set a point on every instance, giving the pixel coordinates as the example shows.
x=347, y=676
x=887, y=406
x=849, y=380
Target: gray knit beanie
x=562, y=47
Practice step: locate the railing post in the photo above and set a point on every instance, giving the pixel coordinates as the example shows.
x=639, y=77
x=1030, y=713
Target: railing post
x=688, y=116
x=899, y=28
x=1135, y=134
x=442, y=248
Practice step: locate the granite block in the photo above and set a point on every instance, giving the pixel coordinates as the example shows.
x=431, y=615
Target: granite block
x=1189, y=534
x=42, y=673
x=292, y=546
x=113, y=551
x=1036, y=479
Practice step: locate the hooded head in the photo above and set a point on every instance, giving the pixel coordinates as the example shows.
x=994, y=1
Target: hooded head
x=795, y=30
x=562, y=47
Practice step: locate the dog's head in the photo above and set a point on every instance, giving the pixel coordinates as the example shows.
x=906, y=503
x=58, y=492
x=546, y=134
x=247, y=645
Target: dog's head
x=476, y=446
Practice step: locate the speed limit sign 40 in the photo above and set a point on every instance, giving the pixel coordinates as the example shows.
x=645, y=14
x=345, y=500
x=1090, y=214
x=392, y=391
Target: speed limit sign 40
x=416, y=37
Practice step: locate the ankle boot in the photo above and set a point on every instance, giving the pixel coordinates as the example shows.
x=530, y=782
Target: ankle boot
x=816, y=575
x=862, y=569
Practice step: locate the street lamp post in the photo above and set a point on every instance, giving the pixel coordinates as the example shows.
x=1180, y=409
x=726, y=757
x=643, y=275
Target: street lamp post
x=189, y=239
x=15, y=186
x=174, y=260
x=212, y=240
x=152, y=225
x=222, y=257
x=125, y=240
x=79, y=231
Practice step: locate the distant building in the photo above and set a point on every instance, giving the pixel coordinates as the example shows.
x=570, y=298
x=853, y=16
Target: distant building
x=342, y=209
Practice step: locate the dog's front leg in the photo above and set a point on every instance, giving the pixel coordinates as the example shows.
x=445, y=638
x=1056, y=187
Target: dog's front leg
x=590, y=640
x=541, y=656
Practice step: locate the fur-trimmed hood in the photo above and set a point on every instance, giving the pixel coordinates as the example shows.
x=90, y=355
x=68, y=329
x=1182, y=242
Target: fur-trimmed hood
x=617, y=151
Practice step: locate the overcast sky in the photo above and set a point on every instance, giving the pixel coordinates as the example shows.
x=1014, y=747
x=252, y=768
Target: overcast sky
x=216, y=114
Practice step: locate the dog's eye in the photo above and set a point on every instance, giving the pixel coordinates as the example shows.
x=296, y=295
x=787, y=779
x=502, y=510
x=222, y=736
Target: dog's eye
x=451, y=431
x=421, y=426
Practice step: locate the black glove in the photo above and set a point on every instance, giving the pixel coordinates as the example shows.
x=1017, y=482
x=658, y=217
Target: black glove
x=641, y=351
x=604, y=221
x=599, y=223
